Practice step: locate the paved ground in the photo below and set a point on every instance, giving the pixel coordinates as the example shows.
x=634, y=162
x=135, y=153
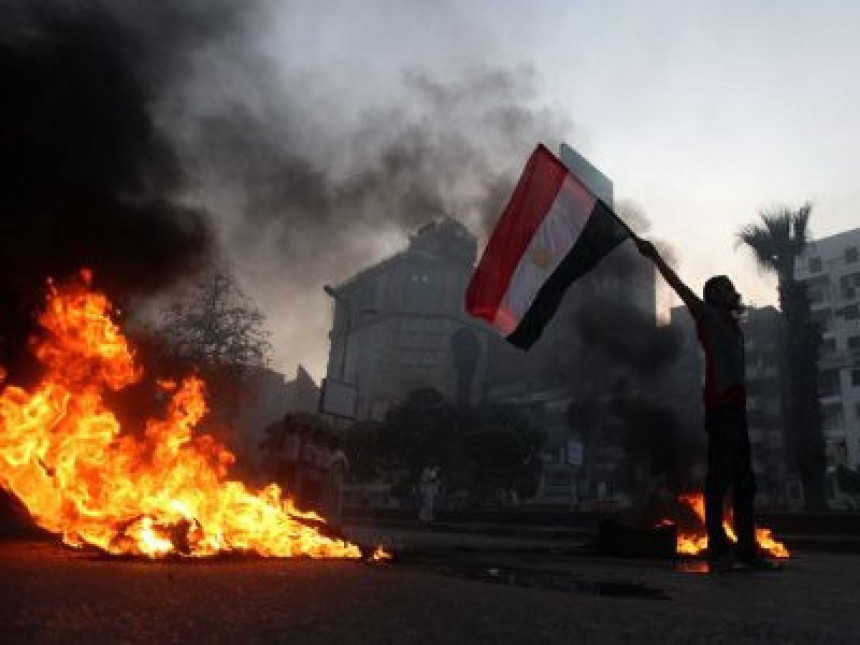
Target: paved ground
x=441, y=588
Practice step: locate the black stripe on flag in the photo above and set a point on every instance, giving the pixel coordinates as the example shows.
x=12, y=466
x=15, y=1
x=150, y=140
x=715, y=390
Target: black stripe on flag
x=602, y=233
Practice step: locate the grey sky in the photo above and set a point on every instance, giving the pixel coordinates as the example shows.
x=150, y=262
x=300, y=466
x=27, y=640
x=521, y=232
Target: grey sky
x=702, y=113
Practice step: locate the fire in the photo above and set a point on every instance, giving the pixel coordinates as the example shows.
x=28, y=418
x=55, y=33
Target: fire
x=695, y=543
x=62, y=453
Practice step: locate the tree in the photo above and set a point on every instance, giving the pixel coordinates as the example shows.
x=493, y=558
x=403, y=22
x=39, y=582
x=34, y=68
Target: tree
x=504, y=451
x=777, y=243
x=362, y=447
x=848, y=479
x=214, y=329
x=479, y=450
x=215, y=323
x=421, y=430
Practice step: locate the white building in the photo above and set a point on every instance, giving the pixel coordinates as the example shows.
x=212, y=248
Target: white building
x=830, y=267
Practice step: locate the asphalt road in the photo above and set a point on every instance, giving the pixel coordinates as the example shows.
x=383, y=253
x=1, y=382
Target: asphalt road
x=437, y=590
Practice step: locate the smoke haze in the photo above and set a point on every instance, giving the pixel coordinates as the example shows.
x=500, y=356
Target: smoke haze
x=89, y=179
x=144, y=139
x=141, y=137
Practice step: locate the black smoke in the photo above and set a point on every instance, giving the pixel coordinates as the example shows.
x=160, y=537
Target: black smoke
x=308, y=196
x=627, y=384
x=138, y=136
x=89, y=178
x=619, y=366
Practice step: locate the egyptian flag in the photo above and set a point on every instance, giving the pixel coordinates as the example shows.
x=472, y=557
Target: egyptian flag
x=552, y=231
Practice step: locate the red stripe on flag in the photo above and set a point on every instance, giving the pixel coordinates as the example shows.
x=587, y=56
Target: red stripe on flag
x=535, y=192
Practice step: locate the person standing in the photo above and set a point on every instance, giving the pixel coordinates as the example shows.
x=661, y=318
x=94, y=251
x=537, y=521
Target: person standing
x=729, y=460
x=428, y=488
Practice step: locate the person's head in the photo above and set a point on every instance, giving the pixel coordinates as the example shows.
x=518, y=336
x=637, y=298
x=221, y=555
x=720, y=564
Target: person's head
x=720, y=292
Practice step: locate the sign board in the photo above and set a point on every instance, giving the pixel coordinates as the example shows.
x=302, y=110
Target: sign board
x=339, y=398
x=575, y=453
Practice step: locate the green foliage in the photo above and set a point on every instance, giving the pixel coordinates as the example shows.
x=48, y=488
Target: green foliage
x=363, y=450
x=777, y=243
x=215, y=323
x=497, y=450
x=310, y=426
x=479, y=452
x=497, y=453
x=849, y=480
x=423, y=429
x=779, y=239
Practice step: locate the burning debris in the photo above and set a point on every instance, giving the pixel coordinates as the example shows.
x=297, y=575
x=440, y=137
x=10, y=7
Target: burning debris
x=693, y=541
x=682, y=536
x=166, y=492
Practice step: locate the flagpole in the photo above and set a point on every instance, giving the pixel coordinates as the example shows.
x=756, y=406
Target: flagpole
x=629, y=230
x=594, y=181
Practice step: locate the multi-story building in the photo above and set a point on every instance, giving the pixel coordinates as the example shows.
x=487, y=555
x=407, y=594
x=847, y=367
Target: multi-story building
x=830, y=268
x=400, y=324
x=766, y=373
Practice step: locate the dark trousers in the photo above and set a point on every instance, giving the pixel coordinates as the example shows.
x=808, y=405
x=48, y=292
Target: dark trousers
x=729, y=466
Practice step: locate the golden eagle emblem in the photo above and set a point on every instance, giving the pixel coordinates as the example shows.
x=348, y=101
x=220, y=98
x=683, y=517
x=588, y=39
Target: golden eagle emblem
x=541, y=258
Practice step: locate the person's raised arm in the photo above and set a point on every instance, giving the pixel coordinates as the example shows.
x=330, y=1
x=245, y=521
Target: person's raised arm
x=688, y=297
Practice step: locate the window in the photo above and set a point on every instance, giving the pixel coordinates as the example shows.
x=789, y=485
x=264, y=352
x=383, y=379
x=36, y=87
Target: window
x=851, y=255
x=828, y=346
x=422, y=288
x=833, y=419
x=855, y=377
x=814, y=265
x=853, y=343
x=818, y=289
x=828, y=383
x=851, y=312
x=849, y=285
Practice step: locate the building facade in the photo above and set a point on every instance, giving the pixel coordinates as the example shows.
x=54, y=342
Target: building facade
x=400, y=325
x=830, y=268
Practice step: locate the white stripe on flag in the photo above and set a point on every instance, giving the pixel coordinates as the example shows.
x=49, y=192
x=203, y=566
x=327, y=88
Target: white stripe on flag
x=551, y=243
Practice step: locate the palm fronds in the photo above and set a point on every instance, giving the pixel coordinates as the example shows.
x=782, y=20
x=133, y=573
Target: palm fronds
x=779, y=239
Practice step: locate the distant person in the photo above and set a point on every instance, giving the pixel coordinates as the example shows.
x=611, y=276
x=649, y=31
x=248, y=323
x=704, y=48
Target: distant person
x=428, y=489
x=729, y=461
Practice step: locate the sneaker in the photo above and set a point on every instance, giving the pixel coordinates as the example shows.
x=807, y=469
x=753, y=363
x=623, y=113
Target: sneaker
x=758, y=563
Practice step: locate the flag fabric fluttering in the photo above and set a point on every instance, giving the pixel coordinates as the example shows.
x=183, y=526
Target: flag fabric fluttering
x=552, y=231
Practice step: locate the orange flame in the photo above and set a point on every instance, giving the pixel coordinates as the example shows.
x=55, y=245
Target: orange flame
x=63, y=455
x=696, y=543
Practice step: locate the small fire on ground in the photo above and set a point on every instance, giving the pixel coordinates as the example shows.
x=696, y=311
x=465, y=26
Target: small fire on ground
x=696, y=542
x=162, y=492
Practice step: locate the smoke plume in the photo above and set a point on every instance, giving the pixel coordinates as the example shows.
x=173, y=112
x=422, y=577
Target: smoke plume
x=89, y=178
x=306, y=191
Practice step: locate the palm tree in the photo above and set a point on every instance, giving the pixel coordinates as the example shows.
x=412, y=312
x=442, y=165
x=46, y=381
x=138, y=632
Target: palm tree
x=777, y=242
